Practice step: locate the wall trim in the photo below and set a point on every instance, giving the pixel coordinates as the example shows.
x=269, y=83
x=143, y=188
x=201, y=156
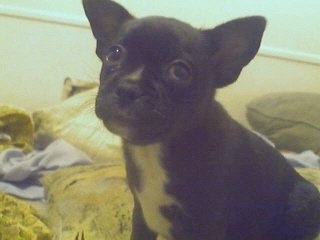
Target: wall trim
x=81, y=22
x=43, y=16
x=289, y=55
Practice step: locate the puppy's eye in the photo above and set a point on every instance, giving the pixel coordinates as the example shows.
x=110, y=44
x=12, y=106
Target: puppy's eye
x=180, y=71
x=116, y=54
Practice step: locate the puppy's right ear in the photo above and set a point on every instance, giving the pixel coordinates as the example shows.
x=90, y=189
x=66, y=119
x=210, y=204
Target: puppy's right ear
x=105, y=17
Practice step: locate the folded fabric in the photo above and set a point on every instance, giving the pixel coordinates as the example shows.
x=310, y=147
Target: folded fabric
x=20, y=173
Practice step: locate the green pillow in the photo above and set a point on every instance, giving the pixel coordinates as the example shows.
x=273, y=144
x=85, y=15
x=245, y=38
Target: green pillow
x=290, y=120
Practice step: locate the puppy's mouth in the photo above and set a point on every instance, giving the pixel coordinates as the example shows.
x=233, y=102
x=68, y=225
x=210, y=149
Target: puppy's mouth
x=140, y=120
x=143, y=108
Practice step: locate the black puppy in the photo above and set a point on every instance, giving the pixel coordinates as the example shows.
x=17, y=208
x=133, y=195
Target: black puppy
x=194, y=172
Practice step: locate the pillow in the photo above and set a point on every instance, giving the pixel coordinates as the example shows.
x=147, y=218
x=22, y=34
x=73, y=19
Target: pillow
x=74, y=120
x=290, y=120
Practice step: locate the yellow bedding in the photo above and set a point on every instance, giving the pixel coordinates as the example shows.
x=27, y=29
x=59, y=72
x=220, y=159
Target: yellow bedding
x=19, y=221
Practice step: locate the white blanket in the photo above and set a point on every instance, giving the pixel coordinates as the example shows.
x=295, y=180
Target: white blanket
x=306, y=159
x=20, y=173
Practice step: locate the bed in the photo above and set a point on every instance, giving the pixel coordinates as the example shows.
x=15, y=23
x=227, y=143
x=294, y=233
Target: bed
x=90, y=197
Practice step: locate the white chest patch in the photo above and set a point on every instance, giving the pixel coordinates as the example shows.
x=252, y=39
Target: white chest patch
x=153, y=195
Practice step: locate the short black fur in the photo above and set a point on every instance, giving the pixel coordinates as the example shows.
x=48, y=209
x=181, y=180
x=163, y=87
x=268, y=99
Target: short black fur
x=157, y=84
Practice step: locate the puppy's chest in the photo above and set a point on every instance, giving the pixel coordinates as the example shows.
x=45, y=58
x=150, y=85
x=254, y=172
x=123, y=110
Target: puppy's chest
x=152, y=194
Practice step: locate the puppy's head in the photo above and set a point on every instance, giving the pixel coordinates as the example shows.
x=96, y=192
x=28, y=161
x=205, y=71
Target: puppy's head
x=158, y=74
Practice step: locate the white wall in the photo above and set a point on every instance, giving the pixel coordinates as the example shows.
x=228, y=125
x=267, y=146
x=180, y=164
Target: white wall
x=44, y=41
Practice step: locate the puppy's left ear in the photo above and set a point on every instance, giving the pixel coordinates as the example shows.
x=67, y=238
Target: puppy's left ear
x=106, y=18
x=233, y=45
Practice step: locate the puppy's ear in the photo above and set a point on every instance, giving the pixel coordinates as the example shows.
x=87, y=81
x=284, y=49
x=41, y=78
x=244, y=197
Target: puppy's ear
x=232, y=45
x=105, y=17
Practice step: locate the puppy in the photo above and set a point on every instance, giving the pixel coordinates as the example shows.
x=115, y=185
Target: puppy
x=194, y=172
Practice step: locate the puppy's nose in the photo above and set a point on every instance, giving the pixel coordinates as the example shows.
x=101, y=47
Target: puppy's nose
x=128, y=92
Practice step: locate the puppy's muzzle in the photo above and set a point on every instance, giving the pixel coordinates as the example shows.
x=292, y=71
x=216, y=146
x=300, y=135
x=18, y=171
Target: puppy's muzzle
x=127, y=93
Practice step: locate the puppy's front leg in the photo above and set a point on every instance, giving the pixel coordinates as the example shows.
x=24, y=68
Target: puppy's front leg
x=140, y=230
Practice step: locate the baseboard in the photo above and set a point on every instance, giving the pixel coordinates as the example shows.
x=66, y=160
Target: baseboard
x=81, y=22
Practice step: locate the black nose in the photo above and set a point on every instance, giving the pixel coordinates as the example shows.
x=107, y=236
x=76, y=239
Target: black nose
x=128, y=92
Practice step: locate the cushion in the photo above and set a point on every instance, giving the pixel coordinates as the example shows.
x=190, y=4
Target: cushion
x=290, y=120
x=74, y=120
